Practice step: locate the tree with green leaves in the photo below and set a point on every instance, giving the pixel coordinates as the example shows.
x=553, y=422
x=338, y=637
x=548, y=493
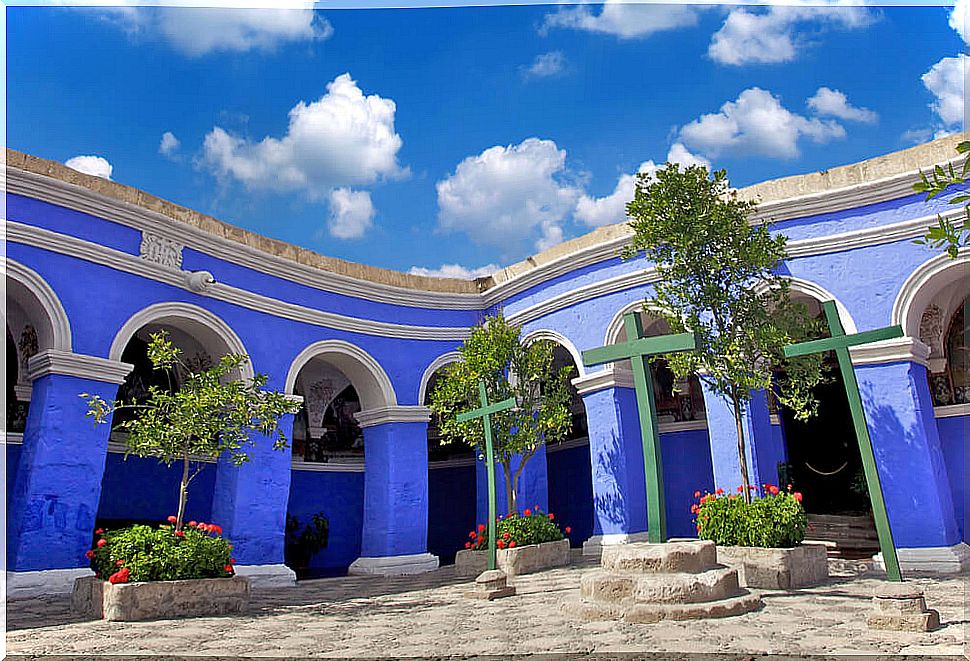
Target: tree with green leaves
x=717, y=278
x=210, y=413
x=494, y=353
x=945, y=233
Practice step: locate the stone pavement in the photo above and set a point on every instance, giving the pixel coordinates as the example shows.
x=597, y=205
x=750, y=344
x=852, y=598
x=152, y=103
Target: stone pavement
x=368, y=617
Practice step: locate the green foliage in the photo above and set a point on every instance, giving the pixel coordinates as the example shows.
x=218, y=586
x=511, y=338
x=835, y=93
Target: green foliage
x=161, y=553
x=776, y=520
x=717, y=278
x=495, y=354
x=945, y=232
x=302, y=543
x=534, y=527
x=213, y=413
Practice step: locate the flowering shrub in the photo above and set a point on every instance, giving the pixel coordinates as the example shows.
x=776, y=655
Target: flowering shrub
x=146, y=553
x=775, y=520
x=533, y=527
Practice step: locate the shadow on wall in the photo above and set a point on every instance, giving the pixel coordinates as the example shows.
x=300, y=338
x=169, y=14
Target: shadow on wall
x=609, y=503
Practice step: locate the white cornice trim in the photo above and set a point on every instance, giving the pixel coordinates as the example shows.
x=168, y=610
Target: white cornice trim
x=52, y=361
x=952, y=411
x=891, y=351
x=97, y=254
x=51, y=305
x=386, y=414
x=84, y=200
x=603, y=379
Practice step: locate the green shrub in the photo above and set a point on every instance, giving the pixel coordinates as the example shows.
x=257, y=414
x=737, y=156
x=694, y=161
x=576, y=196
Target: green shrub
x=775, y=520
x=146, y=553
x=534, y=527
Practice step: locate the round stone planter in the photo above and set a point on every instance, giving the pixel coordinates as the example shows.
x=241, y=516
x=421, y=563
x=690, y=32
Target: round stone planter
x=128, y=602
x=520, y=560
x=801, y=566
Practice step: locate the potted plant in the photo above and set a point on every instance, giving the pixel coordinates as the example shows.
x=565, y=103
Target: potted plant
x=527, y=543
x=179, y=568
x=762, y=537
x=304, y=543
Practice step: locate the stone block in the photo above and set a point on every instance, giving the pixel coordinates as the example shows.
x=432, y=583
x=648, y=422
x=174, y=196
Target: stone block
x=491, y=585
x=922, y=622
x=607, y=587
x=650, y=613
x=801, y=566
x=128, y=602
x=711, y=585
x=520, y=560
x=691, y=557
x=901, y=607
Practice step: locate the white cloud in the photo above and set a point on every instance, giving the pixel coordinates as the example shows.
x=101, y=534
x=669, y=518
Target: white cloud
x=196, y=31
x=545, y=65
x=833, y=103
x=455, y=271
x=169, y=144
x=916, y=136
x=93, y=165
x=599, y=211
x=959, y=18
x=342, y=139
x=945, y=80
x=756, y=123
x=622, y=20
x=506, y=195
x=351, y=213
x=770, y=36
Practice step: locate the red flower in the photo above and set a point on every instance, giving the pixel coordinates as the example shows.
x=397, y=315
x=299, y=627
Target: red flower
x=694, y=509
x=468, y=545
x=228, y=569
x=120, y=576
x=191, y=524
x=172, y=519
x=527, y=513
x=751, y=487
x=180, y=533
x=99, y=531
x=500, y=543
x=568, y=530
x=773, y=490
x=506, y=535
x=102, y=542
x=798, y=496
x=89, y=554
x=536, y=508
x=512, y=545
x=232, y=561
x=471, y=535
x=551, y=516
x=697, y=494
x=481, y=527
x=119, y=563
x=719, y=491
x=740, y=489
x=217, y=528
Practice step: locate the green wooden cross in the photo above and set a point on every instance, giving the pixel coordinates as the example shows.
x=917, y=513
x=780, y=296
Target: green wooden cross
x=840, y=343
x=638, y=349
x=485, y=412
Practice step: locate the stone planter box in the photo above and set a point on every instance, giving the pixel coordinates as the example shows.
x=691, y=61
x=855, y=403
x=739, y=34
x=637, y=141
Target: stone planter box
x=520, y=560
x=777, y=569
x=127, y=602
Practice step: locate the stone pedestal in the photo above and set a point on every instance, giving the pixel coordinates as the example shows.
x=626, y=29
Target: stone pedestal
x=901, y=607
x=130, y=602
x=491, y=585
x=517, y=561
x=801, y=566
x=646, y=583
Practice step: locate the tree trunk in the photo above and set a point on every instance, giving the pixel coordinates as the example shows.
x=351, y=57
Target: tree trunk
x=509, y=487
x=183, y=491
x=518, y=472
x=742, y=457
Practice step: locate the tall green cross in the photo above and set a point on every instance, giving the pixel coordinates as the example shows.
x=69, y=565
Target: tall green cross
x=639, y=349
x=840, y=343
x=485, y=412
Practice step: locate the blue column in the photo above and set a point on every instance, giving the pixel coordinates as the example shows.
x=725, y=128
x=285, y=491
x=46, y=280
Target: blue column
x=909, y=457
x=58, y=484
x=395, y=530
x=616, y=460
x=533, y=485
x=249, y=502
x=759, y=440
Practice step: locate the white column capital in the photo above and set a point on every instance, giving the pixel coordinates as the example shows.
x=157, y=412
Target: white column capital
x=54, y=361
x=611, y=377
x=385, y=414
x=896, y=350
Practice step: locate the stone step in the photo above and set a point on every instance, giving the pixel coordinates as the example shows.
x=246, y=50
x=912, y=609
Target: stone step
x=605, y=586
x=691, y=557
x=651, y=613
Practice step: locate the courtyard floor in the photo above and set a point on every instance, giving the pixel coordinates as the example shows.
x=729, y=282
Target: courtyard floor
x=420, y=616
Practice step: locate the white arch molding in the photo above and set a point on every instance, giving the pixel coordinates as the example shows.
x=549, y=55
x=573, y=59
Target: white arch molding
x=560, y=339
x=820, y=294
x=615, y=326
x=369, y=379
x=443, y=360
x=53, y=311
x=198, y=322
x=924, y=283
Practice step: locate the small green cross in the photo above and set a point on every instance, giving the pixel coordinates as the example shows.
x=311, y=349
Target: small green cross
x=638, y=349
x=840, y=343
x=486, y=411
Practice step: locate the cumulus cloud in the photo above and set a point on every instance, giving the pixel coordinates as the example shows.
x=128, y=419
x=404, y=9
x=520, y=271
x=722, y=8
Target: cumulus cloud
x=545, y=65
x=455, y=271
x=169, y=144
x=772, y=35
x=623, y=20
x=945, y=80
x=342, y=139
x=599, y=211
x=833, y=103
x=196, y=31
x=506, y=195
x=959, y=18
x=351, y=213
x=756, y=123
x=93, y=165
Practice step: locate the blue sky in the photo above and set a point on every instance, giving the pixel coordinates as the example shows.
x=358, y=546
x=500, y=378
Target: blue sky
x=466, y=137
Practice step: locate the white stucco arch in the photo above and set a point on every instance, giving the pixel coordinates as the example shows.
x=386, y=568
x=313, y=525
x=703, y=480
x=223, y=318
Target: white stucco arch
x=821, y=294
x=443, y=360
x=211, y=331
x=615, y=326
x=923, y=285
x=560, y=339
x=46, y=312
x=369, y=379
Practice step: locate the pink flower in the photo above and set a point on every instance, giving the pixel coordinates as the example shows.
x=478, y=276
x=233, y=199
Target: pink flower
x=798, y=496
x=172, y=519
x=102, y=542
x=697, y=494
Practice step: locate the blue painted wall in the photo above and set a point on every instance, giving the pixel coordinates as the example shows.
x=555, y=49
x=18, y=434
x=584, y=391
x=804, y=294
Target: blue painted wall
x=955, y=441
x=571, y=491
x=451, y=510
x=687, y=468
x=340, y=497
x=144, y=489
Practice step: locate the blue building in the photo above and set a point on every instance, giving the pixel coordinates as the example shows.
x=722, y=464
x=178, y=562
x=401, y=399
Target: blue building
x=94, y=266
